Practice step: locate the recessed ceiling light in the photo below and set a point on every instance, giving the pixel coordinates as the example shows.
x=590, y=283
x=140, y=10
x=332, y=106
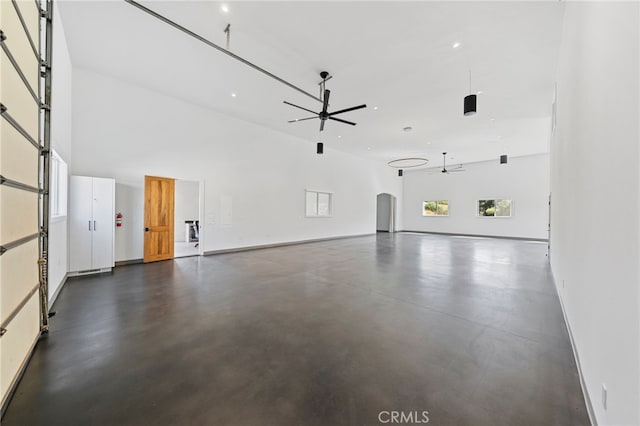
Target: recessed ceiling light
x=224, y=8
x=339, y=136
x=456, y=45
x=493, y=119
x=368, y=148
x=428, y=143
x=233, y=95
x=408, y=129
x=375, y=107
x=479, y=92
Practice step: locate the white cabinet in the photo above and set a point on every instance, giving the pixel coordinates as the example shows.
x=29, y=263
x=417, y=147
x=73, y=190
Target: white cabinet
x=91, y=223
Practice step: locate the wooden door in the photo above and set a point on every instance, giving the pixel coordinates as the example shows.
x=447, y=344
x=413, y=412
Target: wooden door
x=158, y=218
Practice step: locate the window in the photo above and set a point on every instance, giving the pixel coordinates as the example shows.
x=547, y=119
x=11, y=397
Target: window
x=318, y=204
x=435, y=208
x=494, y=208
x=58, y=186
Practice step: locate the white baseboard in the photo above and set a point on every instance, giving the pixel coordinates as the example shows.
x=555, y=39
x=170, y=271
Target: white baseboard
x=89, y=272
x=583, y=385
x=282, y=244
x=504, y=237
x=53, y=298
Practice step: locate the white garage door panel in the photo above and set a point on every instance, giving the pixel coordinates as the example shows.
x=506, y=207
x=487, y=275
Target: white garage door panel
x=15, y=345
x=18, y=208
x=14, y=95
x=18, y=214
x=18, y=275
x=17, y=41
x=18, y=158
x=31, y=17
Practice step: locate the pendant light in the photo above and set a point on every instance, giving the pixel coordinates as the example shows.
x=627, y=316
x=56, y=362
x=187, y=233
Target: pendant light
x=319, y=145
x=470, y=101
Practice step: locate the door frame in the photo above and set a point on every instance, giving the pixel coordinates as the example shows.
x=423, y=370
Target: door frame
x=201, y=217
x=201, y=213
x=391, y=226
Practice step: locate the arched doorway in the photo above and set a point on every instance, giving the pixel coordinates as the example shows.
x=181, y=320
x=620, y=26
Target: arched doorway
x=385, y=213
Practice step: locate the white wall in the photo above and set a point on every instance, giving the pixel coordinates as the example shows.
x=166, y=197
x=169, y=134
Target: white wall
x=129, y=237
x=187, y=206
x=61, y=142
x=524, y=180
x=594, y=186
x=254, y=174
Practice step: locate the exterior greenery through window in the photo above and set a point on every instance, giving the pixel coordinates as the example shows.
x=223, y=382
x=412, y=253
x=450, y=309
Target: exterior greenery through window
x=494, y=208
x=435, y=208
x=318, y=204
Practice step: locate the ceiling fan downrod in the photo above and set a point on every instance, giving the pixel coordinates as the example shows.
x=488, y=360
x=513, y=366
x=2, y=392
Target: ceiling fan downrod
x=324, y=114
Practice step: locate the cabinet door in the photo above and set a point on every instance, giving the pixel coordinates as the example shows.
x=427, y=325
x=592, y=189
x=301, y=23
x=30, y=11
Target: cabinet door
x=103, y=223
x=80, y=223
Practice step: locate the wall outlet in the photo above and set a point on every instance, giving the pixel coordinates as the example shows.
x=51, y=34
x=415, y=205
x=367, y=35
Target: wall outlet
x=604, y=396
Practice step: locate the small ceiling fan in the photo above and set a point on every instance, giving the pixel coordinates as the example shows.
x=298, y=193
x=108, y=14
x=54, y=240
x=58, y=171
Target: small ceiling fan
x=325, y=115
x=457, y=168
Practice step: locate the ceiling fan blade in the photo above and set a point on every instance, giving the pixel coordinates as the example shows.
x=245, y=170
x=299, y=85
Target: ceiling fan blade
x=349, y=109
x=301, y=119
x=325, y=103
x=456, y=170
x=322, y=125
x=342, y=121
x=298, y=106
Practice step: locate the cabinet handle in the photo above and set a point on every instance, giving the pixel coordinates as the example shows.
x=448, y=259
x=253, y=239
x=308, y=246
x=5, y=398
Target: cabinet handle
x=94, y=225
x=89, y=225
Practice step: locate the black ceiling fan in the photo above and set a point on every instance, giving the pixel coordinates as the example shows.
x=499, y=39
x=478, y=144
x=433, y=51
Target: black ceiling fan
x=457, y=168
x=325, y=115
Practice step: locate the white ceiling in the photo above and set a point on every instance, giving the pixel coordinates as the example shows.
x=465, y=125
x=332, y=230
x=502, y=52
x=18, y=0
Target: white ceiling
x=398, y=56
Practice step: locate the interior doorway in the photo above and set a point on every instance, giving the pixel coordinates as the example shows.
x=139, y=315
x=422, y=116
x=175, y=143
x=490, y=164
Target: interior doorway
x=549, y=229
x=187, y=218
x=385, y=213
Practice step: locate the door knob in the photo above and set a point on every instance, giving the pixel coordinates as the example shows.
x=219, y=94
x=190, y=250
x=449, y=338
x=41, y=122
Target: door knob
x=146, y=229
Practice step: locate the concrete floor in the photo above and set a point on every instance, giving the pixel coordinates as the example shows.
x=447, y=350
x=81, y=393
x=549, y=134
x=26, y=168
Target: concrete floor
x=329, y=333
